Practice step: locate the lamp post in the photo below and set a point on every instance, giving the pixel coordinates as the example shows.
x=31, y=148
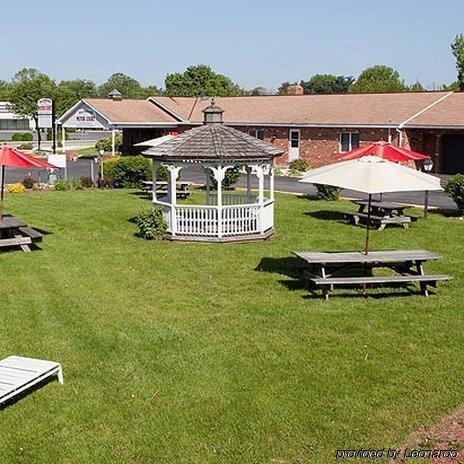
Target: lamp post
x=100, y=174
x=427, y=166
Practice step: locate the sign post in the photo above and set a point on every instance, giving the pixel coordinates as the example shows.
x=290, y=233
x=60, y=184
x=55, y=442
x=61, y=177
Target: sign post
x=46, y=118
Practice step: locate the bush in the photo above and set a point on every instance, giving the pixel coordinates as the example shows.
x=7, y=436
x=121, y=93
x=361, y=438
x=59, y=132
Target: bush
x=21, y=137
x=105, y=144
x=298, y=166
x=62, y=185
x=29, y=182
x=16, y=188
x=87, y=182
x=230, y=178
x=76, y=184
x=151, y=224
x=327, y=192
x=26, y=146
x=455, y=189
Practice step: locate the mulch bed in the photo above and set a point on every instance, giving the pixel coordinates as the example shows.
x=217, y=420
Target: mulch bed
x=446, y=434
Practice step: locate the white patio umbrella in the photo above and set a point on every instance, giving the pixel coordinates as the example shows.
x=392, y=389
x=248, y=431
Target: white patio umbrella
x=371, y=175
x=155, y=142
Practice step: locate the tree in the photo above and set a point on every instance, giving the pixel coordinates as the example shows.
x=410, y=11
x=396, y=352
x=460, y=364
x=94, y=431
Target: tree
x=458, y=51
x=128, y=86
x=200, y=80
x=258, y=91
x=327, y=84
x=68, y=93
x=416, y=87
x=379, y=78
x=149, y=91
x=29, y=86
x=4, y=90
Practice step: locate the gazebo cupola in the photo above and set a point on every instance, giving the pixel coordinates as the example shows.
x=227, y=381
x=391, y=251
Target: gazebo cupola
x=225, y=216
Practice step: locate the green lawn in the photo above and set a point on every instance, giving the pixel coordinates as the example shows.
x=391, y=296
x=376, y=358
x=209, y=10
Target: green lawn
x=186, y=353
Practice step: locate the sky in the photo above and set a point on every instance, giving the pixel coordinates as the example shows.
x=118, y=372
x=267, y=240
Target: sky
x=254, y=42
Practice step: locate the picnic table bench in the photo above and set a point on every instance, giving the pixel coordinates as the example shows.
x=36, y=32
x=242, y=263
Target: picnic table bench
x=327, y=270
x=383, y=213
x=182, y=188
x=14, y=232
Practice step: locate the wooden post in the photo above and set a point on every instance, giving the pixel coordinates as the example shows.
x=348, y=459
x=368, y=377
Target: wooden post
x=426, y=203
x=208, y=185
x=63, y=139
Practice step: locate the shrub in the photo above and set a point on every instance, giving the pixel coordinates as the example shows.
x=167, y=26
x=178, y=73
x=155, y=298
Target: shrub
x=105, y=144
x=77, y=184
x=298, y=166
x=129, y=171
x=87, y=182
x=16, y=188
x=62, y=185
x=29, y=182
x=327, y=192
x=230, y=178
x=151, y=224
x=109, y=166
x=455, y=189
x=21, y=137
x=26, y=146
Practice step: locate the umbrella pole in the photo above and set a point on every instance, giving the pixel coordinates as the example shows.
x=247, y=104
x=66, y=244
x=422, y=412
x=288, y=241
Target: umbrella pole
x=2, y=191
x=366, y=244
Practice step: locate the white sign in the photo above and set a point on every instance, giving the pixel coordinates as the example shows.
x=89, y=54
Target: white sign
x=57, y=160
x=86, y=118
x=45, y=112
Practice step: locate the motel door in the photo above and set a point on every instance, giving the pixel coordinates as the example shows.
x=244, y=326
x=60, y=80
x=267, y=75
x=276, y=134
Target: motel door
x=294, y=145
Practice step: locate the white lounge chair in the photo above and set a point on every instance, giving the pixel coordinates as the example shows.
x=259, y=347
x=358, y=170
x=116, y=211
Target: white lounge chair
x=18, y=374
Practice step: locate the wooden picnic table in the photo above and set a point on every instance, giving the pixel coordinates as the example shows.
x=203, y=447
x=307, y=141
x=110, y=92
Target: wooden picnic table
x=327, y=270
x=383, y=213
x=14, y=232
x=182, y=188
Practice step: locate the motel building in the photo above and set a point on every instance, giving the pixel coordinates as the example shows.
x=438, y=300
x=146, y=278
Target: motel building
x=312, y=127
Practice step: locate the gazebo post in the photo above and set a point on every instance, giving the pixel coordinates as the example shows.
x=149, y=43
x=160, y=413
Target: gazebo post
x=173, y=175
x=154, y=169
x=259, y=172
x=271, y=182
x=219, y=173
x=248, y=172
x=208, y=184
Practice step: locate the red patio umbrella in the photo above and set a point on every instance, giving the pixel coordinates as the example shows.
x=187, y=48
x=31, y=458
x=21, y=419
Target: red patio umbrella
x=386, y=151
x=389, y=152
x=16, y=159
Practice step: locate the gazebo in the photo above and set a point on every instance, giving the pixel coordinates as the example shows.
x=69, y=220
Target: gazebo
x=225, y=216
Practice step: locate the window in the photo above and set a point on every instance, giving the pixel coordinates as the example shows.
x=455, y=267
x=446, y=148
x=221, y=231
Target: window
x=294, y=139
x=349, y=141
x=259, y=134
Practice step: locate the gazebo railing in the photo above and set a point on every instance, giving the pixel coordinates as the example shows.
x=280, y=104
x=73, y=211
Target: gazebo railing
x=229, y=199
x=238, y=220
x=196, y=220
x=217, y=221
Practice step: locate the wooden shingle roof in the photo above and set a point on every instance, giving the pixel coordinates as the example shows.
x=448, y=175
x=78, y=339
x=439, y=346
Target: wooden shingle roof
x=213, y=141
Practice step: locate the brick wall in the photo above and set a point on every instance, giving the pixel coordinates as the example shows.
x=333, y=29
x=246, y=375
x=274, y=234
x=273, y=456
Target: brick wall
x=319, y=146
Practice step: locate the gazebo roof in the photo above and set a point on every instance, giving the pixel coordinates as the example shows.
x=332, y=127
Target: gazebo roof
x=213, y=141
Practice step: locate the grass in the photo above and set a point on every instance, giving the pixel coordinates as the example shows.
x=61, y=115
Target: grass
x=188, y=353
